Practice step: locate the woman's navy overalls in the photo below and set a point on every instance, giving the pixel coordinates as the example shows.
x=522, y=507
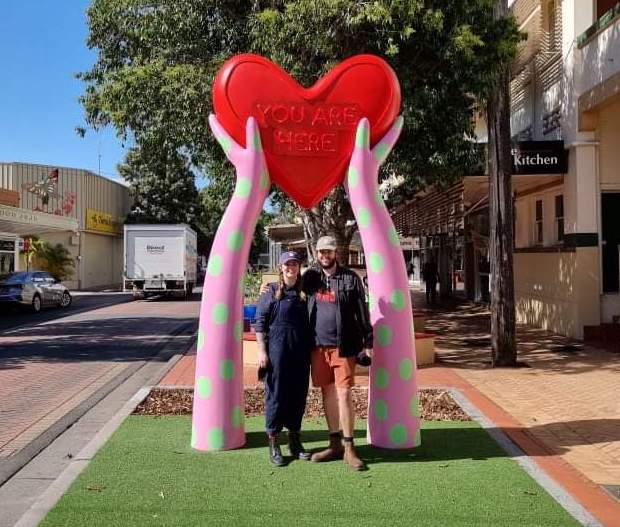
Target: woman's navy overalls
x=286, y=328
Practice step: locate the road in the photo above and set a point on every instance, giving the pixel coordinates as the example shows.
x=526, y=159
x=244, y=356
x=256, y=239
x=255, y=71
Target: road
x=55, y=365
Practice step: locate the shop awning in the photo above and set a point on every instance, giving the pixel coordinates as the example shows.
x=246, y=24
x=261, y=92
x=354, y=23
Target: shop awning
x=24, y=222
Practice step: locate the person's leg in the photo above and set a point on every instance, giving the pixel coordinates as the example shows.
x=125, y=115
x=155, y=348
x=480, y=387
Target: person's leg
x=299, y=395
x=428, y=291
x=323, y=377
x=346, y=410
x=331, y=407
x=344, y=373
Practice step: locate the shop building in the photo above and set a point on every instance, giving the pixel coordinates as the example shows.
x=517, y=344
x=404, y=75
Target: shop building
x=565, y=120
x=76, y=208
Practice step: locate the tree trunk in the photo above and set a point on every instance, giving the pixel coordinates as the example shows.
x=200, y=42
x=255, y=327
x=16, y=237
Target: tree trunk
x=503, y=339
x=330, y=217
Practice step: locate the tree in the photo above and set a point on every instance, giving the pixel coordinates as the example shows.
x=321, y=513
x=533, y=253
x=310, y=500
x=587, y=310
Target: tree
x=503, y=325
x=57, y=261
x=163, y=187
x=157, y=59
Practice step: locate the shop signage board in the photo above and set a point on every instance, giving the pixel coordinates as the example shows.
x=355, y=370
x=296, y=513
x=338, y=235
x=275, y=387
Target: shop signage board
x=102, y=222
x=539, y=157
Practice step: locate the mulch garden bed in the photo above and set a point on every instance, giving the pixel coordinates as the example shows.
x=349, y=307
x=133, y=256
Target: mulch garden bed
x=437, y=405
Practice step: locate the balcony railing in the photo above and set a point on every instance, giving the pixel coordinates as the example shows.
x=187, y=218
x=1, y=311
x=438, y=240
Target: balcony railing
x=604, y=21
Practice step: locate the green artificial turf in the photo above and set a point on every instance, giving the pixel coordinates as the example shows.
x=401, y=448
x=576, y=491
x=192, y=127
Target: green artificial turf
x=147, y=474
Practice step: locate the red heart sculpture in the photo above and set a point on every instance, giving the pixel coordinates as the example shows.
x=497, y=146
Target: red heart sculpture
x=307, y=133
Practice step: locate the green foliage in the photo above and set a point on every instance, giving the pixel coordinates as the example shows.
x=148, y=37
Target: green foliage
x=251, y=287
x=157, y=59
x=55, y=259
x=162, y=185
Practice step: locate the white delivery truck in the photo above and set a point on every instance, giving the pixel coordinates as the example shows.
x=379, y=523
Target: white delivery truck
x=159, y=259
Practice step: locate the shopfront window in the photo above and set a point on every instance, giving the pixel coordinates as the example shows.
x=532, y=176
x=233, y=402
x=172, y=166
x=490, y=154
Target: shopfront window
x=7, y=257
x=538, y=226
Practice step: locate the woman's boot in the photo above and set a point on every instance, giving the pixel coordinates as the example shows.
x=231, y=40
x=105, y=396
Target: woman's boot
x=295, y=447
x=275, y=454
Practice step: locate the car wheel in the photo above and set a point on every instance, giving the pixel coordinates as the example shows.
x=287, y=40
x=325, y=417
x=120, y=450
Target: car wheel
x=36, y=303
x=65, y=299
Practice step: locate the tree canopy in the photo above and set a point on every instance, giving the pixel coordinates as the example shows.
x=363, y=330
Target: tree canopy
x=157, y=59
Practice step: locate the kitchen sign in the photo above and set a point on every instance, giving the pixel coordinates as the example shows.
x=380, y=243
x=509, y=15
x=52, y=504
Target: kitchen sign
x=539, y=157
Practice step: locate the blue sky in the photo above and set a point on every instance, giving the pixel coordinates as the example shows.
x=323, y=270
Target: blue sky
x=42, y=47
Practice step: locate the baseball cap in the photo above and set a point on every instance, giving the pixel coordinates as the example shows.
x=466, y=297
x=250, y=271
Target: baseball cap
x=326, y=243
x=288, y=256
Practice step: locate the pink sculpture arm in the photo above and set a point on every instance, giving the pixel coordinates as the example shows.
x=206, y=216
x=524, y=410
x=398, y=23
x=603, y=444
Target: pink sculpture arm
x=393, y=405
x=218, y=413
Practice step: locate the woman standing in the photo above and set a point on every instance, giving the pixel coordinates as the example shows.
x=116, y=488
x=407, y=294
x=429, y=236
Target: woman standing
x=283, y=336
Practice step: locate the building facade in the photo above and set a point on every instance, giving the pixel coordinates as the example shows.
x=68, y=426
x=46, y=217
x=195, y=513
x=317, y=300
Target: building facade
x=565, y=123
x=75, y=208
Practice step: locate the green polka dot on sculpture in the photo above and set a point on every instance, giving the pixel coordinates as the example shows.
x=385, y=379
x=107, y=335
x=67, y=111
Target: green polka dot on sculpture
x=397, y=299
x=227, y=369
x=238, y=331
x=237, y=416
x=225, y=143
x=376, y=262
x=381, y=410
x=384, y=335
x=382, y=378
x=264, y=179
x=200, y=341
x=393, y=236
x=361, y=137
x=381, y=152
x=235, y=241
x=414, y=406
x=215, y=266
x=220, y=313
x=353, y=177
x=203, y=387
x=405, y=369
x=244, y=186
x=363, y=217
x=398, y=434
x=215, y=438
x=256, y=141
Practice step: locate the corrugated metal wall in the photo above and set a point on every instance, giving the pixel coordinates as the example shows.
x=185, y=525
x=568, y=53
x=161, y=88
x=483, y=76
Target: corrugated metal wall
x=90, y=190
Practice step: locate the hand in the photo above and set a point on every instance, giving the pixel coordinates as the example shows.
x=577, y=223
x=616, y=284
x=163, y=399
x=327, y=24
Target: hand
x=264, y=289
x=368, y=351
x=249, y=161
x=263, y=359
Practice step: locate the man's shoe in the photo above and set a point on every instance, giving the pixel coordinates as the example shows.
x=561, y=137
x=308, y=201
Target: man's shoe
x=335, y=450
x=350, y=457
x=275, y=454
x=295, y=447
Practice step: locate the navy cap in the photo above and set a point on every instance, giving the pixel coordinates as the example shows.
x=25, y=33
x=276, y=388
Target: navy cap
x=288, y=256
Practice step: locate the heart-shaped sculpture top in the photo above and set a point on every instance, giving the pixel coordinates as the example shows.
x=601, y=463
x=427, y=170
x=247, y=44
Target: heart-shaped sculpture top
x=307, y=133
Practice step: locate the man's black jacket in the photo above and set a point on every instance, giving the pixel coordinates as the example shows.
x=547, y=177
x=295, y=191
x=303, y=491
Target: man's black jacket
x=353, y=328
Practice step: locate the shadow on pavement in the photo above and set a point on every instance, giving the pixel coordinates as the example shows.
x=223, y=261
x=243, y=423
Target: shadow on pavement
x=113, y=339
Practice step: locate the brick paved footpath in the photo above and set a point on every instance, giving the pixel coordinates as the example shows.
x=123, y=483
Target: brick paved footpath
x=49, y=369
x=563, y=409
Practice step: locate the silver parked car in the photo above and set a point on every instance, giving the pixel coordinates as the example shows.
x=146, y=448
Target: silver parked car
x=33, y=289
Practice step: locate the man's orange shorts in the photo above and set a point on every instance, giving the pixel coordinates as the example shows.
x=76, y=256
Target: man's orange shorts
x=329, y=367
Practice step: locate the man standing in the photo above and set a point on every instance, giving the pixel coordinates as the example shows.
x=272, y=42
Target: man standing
x=342, y=330
x=431, y=277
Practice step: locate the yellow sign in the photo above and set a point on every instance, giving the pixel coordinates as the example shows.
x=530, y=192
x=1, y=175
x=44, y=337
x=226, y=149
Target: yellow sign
x=102, y=222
